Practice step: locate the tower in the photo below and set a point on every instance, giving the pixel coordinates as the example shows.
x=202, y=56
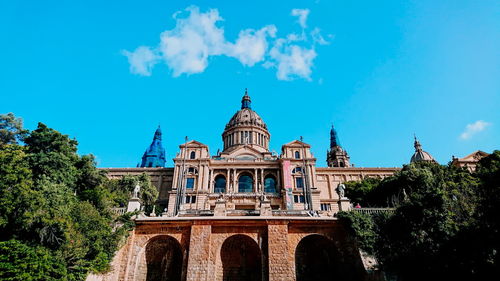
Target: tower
x=336, y=156
x=154, y=156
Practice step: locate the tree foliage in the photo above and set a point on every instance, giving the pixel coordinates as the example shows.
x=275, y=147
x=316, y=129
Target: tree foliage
x=22, y=262
x=11, y=129
x=56, y=216
x=445, y=225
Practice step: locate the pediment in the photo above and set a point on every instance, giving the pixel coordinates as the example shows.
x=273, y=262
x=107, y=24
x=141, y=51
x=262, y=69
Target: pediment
x=474, y=156
x=244, y=152
x=297, y=143
x=193, y=143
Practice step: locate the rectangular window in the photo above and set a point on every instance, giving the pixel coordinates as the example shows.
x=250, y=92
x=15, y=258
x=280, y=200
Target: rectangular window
x=250, y=137
x=326, y=207
x=190, y=199
x=299, y=183
x=190, y=183
x=298, y=198
x=241, y=137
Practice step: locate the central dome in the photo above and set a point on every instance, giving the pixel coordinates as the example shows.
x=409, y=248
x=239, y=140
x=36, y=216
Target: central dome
x=246, y=128
x=246, y=116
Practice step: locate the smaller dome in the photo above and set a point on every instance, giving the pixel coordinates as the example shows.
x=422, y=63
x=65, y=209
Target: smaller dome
x=420, y=154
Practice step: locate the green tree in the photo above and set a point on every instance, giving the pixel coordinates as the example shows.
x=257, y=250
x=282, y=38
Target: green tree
x=427, y=228
x=362, y=191
x=486, y=237
x=362, y=227
x=55, y=201
x=16, y=192
x=11, y=129
x=52, y=155
x=21, y=262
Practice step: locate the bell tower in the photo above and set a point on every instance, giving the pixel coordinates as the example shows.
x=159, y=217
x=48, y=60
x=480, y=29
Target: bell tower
x=336, y=156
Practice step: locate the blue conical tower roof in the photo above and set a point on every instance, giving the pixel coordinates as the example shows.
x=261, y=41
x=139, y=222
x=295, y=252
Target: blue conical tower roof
x=154, y=156
x=334, y=139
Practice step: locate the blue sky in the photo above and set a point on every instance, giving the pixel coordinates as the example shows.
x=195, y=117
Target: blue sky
x=108, y=72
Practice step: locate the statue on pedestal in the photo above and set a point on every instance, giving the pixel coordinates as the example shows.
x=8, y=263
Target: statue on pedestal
x=137, y=189
x=341, y=190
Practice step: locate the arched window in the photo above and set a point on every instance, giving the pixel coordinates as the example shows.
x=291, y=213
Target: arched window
x=297, y=155
x=245, y=183
x=270, y=184
x=220, y=184
x=193, y=155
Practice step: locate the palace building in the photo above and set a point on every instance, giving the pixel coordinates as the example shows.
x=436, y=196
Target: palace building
x=246, y=213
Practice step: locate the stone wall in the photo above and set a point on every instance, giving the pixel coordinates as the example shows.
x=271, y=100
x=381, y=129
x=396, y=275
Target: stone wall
x=209, y=247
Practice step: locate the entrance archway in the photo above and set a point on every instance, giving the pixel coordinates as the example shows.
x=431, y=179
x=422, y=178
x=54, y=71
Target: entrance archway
x=316, y=259
x=241, y=259
x=164, y=259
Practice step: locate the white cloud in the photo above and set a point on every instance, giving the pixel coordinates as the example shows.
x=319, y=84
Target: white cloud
x=251, y=45
x=302, y=15
x=187, y=47
x=317, y=38
x=292, y=61
x=141, y=60
x=474, y=128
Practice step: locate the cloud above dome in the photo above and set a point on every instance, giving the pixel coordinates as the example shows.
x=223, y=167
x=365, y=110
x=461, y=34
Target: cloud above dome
x=196, y=36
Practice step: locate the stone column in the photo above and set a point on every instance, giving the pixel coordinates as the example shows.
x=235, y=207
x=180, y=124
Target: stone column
x=199, y=251
x=206, y=181
x=228, y=180
x=256, y=181
x=199, y=182
x=310, y=176
x=280, y=262
x=175, y=177
x=262, y=187
x=235, y=188
x=211, y=180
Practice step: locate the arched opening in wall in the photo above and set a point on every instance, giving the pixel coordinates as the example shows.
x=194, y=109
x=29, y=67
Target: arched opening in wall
x=270, y=184
x=164, y=259
x=220, y=184
x=241, y=259
x=245, y=183
x=192, y=155
x=317, y=259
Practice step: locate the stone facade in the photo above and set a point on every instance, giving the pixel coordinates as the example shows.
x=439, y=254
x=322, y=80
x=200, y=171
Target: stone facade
x=238, y=249
x=245, y=213
x=470, y=161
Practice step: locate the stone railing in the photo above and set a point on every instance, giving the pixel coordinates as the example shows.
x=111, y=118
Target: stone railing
x=290, y=213
x=243, y=195
x=119, y=211
x=374, y=210
x=189, y=213
x=242, y=212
